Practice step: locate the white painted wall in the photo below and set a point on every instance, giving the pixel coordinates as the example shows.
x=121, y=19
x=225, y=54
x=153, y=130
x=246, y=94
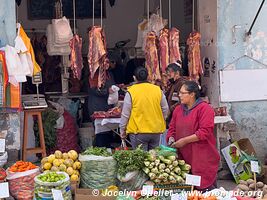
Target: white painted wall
x=121, y=21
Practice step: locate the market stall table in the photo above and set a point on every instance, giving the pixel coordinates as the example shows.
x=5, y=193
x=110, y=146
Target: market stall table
x=112, y=124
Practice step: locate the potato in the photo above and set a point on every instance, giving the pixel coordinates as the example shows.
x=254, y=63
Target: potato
x=265, y=187
x=260, y=184
x=243, y=182
x=252, y=186
x=243, y=187
x=264, y=191
x=249, y=181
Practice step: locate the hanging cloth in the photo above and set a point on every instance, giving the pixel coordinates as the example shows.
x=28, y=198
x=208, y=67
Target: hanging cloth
x=4, y=77
x=11, y=94
x=24, y=55
x=27, y=42
x=13, y=97
x=15, y=72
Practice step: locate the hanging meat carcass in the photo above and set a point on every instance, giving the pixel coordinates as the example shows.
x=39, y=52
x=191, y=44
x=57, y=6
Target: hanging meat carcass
x=152, y=59
x=194, y=59
x=97, y=55
x=164, y=49
x=174, y=45
x=164, y=54
x=76, y=56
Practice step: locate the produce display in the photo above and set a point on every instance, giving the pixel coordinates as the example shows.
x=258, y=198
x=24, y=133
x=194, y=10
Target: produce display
x=197, y=196
x=252, y=189
x=98, y=169
x=129, y=160
x=64, y=162
x=45, y=182
x=2, y=174
x=51, y=177
x=21, y=183
x=163, y=167
x=21, y=166
x=97, y=151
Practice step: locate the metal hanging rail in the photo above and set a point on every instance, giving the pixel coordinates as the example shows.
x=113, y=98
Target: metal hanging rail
x=101, y=20
x=193, y=15
x=93, y=12
x=249, y=32
x=148, y=14
x=170, y=14
x=74, y=16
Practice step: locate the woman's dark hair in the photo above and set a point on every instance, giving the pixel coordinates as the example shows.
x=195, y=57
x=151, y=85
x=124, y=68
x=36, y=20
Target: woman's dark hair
x=176, y=68
x=141, y=73
x=192, y=87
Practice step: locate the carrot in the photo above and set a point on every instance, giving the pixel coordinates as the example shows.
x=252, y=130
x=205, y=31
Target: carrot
x=21, y=166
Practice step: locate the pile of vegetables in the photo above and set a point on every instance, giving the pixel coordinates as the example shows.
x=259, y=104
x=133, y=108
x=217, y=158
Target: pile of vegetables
x=198, y=196
x=97, y=151
x=251, y=189
x=46, y=182
x=64, y=162
x=2, y=174
x=21, y=166
x=163, y=167
x=129, y=160
x=51, y=177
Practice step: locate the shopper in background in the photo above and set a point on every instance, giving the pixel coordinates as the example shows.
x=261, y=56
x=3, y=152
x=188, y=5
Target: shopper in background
x=176, y=80
x=116, y=68
x=191, y=132
x=98, y=101
x=144, y=112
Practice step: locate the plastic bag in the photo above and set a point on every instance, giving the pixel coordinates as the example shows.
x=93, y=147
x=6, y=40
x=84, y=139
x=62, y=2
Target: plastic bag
x=97, y=172
x=135, y=183
x=43, y=190
x=71, y=106
x=129, y=176
x=167, y=151
x=113, y=98
x=62, y=30
x=21, y=184
x=3, y=159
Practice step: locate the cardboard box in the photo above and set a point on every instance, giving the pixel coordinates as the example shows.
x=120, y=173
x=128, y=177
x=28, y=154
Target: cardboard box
x=74, y=185
x=87, y=194
x=238, y=163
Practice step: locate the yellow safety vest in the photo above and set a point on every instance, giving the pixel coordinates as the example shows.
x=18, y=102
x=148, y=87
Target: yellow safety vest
x=146, y=114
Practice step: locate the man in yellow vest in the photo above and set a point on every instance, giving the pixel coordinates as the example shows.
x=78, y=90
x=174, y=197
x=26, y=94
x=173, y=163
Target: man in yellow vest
x=145, y=109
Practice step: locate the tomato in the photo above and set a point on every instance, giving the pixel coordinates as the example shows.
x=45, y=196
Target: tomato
x=2, y=174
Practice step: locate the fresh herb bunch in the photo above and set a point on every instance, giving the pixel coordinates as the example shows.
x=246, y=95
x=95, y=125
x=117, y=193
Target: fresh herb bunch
x=97, y=151
x=49, y=119
x=129, y=160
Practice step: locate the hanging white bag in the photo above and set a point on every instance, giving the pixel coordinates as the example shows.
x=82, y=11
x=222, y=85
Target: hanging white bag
x=113, y=97
x=62, y=30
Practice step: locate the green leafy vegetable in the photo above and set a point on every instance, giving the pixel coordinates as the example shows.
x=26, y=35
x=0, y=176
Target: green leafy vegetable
x=129, y=160
x=97, y=151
